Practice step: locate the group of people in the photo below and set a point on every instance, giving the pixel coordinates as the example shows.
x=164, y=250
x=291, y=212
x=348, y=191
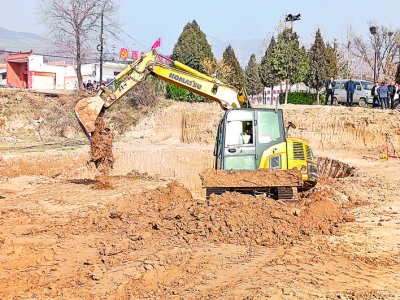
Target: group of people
x=383, y=95
x=92, y=86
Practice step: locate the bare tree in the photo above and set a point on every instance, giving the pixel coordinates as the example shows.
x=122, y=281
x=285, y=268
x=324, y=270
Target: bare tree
x=382, y=42
x=76, y=25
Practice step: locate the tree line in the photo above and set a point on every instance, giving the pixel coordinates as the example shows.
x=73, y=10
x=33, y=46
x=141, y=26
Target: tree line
x=75, y=24
x=285, y=61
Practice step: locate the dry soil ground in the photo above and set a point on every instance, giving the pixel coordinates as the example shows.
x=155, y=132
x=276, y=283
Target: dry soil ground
x=150, y=234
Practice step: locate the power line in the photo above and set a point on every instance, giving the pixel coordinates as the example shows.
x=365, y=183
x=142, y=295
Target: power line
x=134, y=39
x=129, y=35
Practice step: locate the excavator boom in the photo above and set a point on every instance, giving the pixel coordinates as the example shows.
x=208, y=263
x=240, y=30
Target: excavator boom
x=88, y=109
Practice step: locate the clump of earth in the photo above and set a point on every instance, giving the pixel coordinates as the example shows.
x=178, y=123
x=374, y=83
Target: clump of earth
x=101, y=152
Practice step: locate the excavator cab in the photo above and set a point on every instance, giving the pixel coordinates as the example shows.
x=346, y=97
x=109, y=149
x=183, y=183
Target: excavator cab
x=239, y=149
x=253, y=139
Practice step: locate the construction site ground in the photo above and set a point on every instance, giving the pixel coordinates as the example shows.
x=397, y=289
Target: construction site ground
x=145, y=230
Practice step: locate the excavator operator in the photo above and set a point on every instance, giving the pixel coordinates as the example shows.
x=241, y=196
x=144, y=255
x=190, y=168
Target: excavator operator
x=249, y=131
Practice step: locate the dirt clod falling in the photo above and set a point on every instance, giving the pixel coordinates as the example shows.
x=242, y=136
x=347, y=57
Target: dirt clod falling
x=101, y=151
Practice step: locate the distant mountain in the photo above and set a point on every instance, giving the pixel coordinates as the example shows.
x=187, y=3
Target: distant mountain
x=243, y=49
x=13, y=35
x=23, y=41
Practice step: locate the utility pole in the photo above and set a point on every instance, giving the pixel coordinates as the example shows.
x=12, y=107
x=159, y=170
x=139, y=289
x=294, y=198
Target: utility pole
x=372, y=30
x=101, y=49
x=290, y=18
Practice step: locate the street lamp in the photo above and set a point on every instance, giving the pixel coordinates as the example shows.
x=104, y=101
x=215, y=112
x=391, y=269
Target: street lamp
x=372, y=30
x=292, y=18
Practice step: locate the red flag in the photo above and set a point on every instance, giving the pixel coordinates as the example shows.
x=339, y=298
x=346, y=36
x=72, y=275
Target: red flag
x=168, y=60
x=123, y=53
x=156, y=44
x=135, y=54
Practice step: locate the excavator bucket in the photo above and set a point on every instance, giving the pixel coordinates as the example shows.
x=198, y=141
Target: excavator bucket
x=87, y=110
x=278, y=184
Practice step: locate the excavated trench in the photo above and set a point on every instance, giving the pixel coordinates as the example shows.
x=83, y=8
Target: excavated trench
x=333, y=168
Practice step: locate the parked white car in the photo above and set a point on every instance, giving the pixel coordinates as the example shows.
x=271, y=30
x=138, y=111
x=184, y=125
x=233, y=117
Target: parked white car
x=362, y=94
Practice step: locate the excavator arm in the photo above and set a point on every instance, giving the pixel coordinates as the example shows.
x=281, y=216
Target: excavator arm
x=88, y=109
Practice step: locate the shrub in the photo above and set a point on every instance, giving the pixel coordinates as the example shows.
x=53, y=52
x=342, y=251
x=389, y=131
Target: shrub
x=299, y=98
x=143, y=95
x=179, y=94
x=175, y=92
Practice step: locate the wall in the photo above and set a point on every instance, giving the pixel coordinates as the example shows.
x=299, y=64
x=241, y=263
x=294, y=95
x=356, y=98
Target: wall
x=110, y=70
x=41, y=74
x=92, y=72
x=15, y=73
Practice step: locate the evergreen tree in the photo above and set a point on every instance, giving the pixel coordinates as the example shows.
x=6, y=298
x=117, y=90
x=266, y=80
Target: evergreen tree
x=319, y=65
x=192, y=47
x=397, y=76
x=290, y=61
x=236, y=78
x=267, y=76
x=333, y=59
x=253, y=84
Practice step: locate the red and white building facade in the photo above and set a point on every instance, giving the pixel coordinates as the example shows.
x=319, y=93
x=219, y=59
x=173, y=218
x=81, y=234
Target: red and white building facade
x=27, y=70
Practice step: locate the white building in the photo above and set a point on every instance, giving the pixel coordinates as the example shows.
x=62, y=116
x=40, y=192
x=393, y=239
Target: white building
x=43, y=76
x=271, y=96
x=27, y=70
x=92, y=72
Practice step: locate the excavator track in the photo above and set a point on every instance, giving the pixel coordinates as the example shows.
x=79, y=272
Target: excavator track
x=282, y=193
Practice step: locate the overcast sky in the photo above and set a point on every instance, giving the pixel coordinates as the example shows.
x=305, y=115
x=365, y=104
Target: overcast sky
x=146, y=21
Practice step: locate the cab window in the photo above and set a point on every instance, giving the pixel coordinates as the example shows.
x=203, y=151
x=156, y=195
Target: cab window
x=269, y=127
x=239, y=132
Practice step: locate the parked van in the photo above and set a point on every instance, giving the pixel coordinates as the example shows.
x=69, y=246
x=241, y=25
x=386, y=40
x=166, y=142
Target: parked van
x=362, y=92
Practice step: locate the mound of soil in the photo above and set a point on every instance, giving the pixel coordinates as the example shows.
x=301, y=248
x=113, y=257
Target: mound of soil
x=230, y=218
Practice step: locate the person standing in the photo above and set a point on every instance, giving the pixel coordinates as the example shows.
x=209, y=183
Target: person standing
x=392, y=91
x=374, y=92
x=330, y=90
x=89, y=85
x=383, y=92
x=349, y=86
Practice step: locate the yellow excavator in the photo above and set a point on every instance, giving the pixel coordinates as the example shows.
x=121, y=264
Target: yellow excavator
x=251, y=143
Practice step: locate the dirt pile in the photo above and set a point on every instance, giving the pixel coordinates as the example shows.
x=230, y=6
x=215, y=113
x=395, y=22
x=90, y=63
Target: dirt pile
x=230, y=218
x=28, y=116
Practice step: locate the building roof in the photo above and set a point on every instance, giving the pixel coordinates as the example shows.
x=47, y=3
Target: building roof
x=19, y=57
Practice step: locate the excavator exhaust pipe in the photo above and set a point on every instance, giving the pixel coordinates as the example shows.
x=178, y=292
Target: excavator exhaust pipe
x=87, y=110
